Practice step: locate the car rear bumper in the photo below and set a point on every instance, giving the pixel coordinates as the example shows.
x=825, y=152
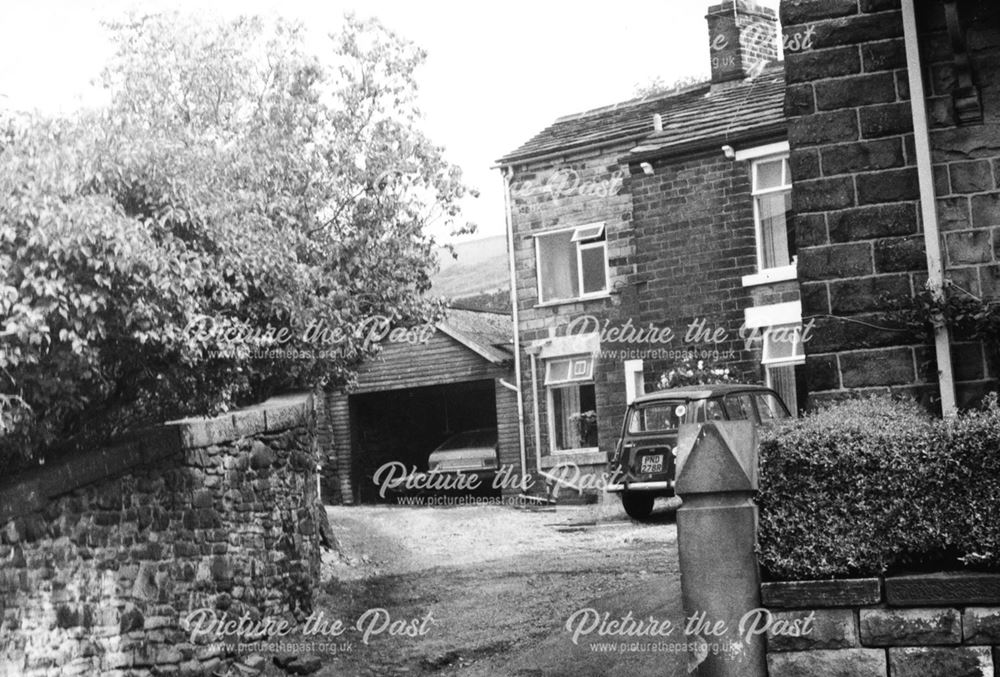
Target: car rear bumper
x=661, y=486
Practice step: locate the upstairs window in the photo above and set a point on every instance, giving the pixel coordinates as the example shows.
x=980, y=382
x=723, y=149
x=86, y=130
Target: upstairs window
x=572, y=263
x=772, y=202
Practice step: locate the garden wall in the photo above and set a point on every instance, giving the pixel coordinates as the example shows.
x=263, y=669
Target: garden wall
x=103, y=554
x=904, y=626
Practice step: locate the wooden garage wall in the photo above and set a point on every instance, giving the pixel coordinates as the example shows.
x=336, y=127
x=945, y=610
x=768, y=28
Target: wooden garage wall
x=439, y=361
x=507, y=427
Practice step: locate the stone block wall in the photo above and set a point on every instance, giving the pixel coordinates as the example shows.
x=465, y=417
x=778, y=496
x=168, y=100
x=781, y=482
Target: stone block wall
x=907, y=626
x=856, y=194
x=102, y=555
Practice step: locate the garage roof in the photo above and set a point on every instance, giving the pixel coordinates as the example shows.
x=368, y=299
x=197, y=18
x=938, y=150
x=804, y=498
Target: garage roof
x=491, y=335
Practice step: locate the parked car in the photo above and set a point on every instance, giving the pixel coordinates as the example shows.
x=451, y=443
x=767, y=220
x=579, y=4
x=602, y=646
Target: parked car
x=473, y=452
x=644, y=463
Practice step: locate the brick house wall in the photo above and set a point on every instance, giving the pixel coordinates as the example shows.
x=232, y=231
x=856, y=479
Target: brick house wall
x=856, y=193
x=538, y=205
x=695, y=240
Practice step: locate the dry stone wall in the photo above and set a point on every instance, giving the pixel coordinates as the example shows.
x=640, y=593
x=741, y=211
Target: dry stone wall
x=103, y=555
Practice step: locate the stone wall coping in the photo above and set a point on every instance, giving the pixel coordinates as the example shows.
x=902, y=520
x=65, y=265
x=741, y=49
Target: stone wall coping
x=822, y=594
x=945, y=588
x=949, y=588
x=29, y=491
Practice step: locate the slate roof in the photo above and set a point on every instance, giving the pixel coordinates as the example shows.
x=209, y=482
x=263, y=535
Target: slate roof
x=488, y=334
x=692, y=117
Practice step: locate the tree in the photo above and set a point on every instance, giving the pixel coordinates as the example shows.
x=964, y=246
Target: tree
x=236, y=182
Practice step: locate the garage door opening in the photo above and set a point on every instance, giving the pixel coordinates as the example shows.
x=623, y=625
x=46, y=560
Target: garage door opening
x=407, y=425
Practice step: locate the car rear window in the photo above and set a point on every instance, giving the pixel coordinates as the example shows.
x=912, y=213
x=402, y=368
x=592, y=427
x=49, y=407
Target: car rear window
x=658, y=416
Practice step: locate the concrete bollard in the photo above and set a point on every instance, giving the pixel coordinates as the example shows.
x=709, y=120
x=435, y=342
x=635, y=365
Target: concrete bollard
x=716, y=534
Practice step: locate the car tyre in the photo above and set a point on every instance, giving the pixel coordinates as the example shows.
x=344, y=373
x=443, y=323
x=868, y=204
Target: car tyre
x=637, y=506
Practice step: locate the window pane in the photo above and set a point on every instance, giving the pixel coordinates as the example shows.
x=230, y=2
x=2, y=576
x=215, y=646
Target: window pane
x=768, y=406
x=714, y=411
x=593, y=269
x=768, y=174
x=574, y=417
x=585, y=233
x=739, y=407
x=556, y=371
x=772, y=210
x=557, y=266
x=660, y=416
x=782, y=380
x=782, y=344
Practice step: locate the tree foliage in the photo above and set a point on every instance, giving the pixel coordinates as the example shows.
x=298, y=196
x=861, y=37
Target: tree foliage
x=235, y=181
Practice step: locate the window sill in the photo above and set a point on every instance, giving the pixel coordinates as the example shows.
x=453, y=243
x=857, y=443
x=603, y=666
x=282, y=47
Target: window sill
x=578, y=299
x=586, y=456
x=789, y=272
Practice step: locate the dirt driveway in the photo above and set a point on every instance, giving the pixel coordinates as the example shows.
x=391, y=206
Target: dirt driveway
x=489, y=589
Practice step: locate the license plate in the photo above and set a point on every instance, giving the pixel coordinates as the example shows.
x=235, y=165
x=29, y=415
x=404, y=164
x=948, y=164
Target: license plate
x=651, y=464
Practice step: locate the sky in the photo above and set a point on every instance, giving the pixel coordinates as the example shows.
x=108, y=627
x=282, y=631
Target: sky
x=496, y=72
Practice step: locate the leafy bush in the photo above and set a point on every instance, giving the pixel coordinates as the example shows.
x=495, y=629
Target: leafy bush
x=234, y=182
x=869, y=486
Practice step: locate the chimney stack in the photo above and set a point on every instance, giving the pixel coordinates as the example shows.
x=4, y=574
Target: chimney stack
x=741, y=35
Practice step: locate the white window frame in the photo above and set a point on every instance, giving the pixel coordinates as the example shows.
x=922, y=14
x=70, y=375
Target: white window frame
x=633, y=368
x=573, y=381
x=796, y=358
x=577, y=234
x=798, y=355
x=775, y=273
x=575, y=375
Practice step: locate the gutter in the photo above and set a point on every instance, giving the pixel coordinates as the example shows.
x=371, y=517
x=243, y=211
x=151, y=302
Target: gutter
x=928, y=204
x=507, y=176
x=709, y=145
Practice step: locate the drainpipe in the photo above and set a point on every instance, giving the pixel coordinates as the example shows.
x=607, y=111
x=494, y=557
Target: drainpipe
x=928, y=204
x=507, y=175
x=534, y=400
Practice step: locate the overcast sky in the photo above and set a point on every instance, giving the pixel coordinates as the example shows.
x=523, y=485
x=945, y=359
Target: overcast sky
x=496, y=72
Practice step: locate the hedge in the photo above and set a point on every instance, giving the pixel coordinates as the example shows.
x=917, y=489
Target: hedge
x=872, y=486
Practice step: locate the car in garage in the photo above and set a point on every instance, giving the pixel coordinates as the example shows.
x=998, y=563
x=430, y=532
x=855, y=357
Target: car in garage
x=472, y=452
x=643, y=465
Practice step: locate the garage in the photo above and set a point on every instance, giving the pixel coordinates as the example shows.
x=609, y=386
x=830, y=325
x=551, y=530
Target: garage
x=405, y=426
x=414, y=397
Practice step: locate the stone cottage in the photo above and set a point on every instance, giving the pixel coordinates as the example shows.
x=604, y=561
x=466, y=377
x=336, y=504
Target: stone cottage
x=653, y=231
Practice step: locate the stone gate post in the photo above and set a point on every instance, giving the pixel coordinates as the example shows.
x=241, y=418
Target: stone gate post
x=716, y=534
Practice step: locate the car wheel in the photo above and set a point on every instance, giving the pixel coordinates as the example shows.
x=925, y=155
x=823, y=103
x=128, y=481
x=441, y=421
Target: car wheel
x=637, y=506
